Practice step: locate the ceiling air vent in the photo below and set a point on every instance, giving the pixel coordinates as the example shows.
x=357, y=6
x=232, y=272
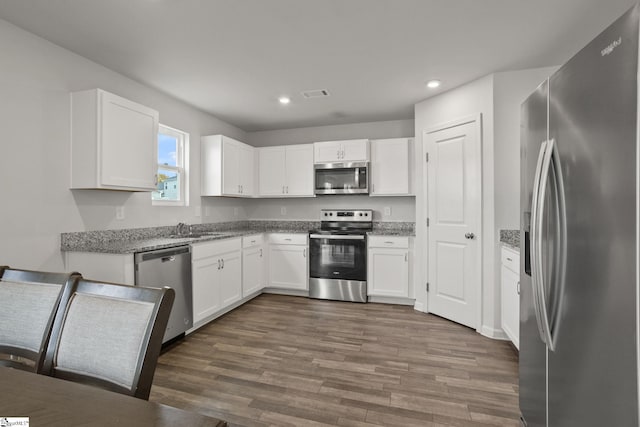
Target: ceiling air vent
x=316, y=93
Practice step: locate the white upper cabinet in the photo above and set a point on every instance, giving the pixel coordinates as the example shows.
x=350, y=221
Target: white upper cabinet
x=391, y=167
x=272, y=175
x=227, y=167
x=354, y=150
x=286, y=171
x=113, y=142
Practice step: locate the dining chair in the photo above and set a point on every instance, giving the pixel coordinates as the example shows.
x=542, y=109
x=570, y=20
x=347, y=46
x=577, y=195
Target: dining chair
x=30, y=301
x=110, y=336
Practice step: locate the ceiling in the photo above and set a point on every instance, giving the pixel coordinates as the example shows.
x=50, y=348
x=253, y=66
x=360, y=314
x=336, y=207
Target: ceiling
x=234, y=58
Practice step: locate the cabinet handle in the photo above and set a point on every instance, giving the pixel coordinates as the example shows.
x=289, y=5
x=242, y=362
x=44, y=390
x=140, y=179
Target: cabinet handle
x=253, y=241
x=223, y=264
x=288, y=240
x=304, y=253
x=260, y=252
x=155, y=179
x=287, y=187
x=283, y=189
x=218, y=264
x=406, y=257
x=509, y=259
x=518, y=288
x=389, y=243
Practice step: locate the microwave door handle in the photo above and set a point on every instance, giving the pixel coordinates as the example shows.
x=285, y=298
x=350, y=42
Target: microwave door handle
x=357, y=177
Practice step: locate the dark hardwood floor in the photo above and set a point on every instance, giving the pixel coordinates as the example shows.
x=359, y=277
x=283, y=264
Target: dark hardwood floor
x=292, y=361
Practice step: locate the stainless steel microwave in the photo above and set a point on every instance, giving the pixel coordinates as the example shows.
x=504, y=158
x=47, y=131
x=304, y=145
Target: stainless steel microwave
x=342, y=178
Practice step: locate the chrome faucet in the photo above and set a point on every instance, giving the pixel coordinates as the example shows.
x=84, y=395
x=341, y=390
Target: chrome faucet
x=183, y=229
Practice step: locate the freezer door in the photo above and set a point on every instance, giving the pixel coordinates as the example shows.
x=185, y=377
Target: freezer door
x=533, y=351
x=592, y=118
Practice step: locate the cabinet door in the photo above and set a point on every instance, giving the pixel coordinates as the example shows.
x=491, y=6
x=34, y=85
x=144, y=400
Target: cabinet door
x=388, y=272
x=252, y=270
x=128, y=143
x=299, y=167
x=206, y=291
x=390, y=167
x=230, y=167
x=288, y=267
x=231, y=278
x=327, y=151
x=246, y=170
x=271, y=165
x=511, y=305
x=356, y=150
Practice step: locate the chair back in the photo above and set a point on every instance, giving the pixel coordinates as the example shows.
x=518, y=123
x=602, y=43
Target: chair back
x=110, y=336
x=30, y=302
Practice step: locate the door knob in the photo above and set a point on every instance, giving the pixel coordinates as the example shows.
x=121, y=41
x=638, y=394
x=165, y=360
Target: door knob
x=469, y=235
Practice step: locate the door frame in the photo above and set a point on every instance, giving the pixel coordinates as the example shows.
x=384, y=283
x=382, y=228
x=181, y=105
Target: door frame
x=424, y=271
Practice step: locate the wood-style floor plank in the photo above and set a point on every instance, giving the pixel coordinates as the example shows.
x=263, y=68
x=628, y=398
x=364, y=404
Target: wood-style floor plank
x=291, y=361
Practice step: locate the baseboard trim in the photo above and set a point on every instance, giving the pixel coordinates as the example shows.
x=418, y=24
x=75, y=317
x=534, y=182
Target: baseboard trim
x=291, y=292
x=496, y=334
x=419, y=306
x=391, y=300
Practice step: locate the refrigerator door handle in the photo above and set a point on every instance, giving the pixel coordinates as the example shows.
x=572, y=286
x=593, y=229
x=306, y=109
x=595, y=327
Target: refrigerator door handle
x=550, y=159
x=535, y=243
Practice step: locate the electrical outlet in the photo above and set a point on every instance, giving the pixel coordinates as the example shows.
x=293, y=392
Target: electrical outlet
x=120, y=213
x=387, y=211
x=283, y=210
x=198, y=211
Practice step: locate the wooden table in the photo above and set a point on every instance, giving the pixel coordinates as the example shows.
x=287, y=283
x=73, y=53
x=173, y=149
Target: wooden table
x=54, y=402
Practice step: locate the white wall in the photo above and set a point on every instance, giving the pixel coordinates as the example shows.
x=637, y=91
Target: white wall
x=36, y=78
x=371, y=130
x=473, y=98
x=402, y=208
x=510, y=89
x=497, y=97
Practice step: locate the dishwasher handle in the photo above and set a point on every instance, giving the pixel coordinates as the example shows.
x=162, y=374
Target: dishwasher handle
x=167, y=254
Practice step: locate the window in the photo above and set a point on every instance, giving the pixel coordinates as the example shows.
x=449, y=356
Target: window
x=172, y=186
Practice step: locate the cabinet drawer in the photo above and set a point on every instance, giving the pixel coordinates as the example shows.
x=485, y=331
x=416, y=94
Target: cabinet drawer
x=288, y=239
x=511, y=260
x=389, y=242
x=218, y=247
x=252, y=240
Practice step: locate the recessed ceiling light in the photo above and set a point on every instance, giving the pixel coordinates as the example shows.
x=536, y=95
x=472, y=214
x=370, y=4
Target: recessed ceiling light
x=432, y=84
x=284, y=100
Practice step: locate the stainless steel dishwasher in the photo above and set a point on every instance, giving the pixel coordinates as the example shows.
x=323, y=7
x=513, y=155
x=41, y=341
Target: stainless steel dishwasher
x=169, y=267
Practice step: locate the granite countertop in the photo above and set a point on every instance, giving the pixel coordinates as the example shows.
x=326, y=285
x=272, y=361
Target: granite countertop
x=130, y=241
x=511, y=239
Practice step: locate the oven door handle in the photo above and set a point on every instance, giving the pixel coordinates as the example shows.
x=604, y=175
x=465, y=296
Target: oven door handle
x=336, y=237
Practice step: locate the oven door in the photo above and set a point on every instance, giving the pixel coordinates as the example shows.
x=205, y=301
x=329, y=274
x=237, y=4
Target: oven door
x=336, y=256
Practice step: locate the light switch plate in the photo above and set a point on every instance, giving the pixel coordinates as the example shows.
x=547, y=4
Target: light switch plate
x=387, y=211
x=283, y=210
x=120, y=213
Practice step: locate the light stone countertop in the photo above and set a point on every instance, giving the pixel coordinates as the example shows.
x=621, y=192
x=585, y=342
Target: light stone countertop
x=129, y=241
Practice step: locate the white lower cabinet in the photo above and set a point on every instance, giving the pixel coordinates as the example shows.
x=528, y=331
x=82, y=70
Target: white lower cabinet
x=510, y=291
x=216, y=269
x=252, y=264
x=288, y=263
x=388, y=266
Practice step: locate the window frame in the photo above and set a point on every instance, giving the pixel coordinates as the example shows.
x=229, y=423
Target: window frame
x=181, y=170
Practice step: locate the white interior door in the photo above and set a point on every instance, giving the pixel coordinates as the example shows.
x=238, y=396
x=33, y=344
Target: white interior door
x=454, y=212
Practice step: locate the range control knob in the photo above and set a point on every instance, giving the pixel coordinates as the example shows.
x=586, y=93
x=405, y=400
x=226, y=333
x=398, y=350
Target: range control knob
x=366, y=214
x=331, y=214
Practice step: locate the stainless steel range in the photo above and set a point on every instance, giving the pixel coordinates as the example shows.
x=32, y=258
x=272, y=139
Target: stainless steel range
x=338, y=255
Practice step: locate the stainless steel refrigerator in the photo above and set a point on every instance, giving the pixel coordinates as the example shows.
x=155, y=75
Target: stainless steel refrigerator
x=579, y=238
